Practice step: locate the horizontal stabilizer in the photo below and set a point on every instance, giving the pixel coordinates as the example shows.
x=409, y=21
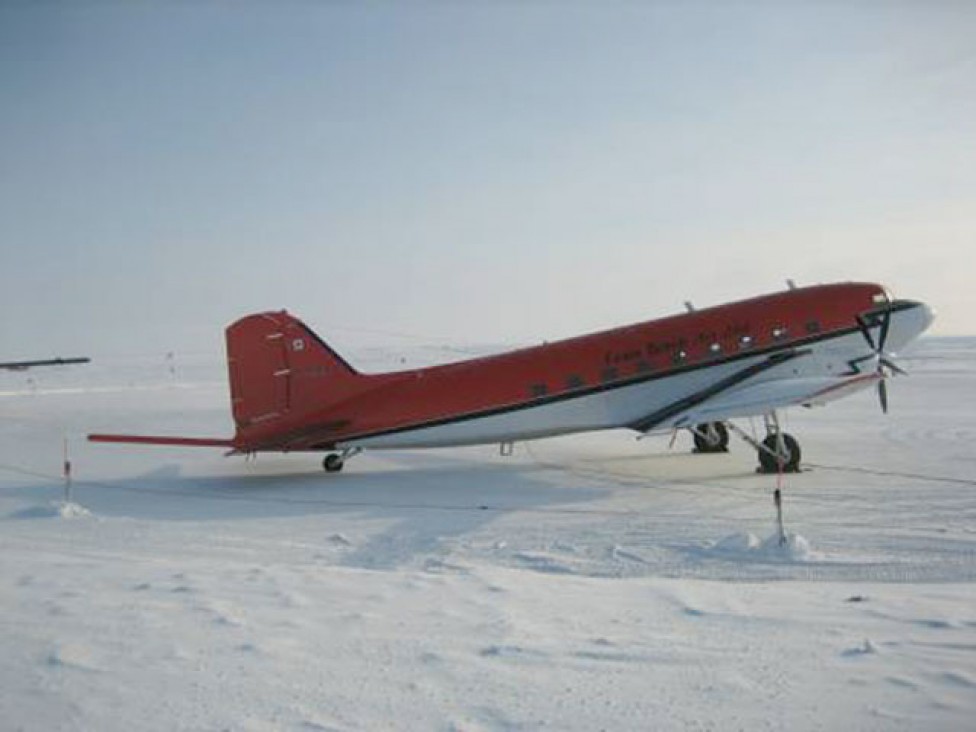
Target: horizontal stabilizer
x=156, y=440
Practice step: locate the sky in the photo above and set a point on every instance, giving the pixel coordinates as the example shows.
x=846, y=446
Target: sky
x=471, y=173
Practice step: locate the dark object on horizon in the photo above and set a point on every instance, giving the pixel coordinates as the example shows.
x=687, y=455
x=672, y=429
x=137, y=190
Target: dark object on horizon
x=24, y=365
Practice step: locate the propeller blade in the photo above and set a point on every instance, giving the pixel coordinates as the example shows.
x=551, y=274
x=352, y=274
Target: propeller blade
x=893, y=367
x=883, y=395
x=862, y=324
x=885, y=325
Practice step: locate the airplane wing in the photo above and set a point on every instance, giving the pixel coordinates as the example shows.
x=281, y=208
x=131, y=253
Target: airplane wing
x=732, y=397
x=759, y=399
x=24, y=365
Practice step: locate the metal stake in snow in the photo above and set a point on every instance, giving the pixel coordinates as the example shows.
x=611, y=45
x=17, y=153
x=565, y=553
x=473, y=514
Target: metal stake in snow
x=781, y=466
x=778, y=500
x=67, y=474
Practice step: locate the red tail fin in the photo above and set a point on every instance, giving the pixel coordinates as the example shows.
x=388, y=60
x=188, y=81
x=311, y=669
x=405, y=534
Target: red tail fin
x=280, y=368
x=280, y=372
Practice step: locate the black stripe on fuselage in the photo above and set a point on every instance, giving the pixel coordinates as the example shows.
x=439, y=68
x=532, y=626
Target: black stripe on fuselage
x=651, y=421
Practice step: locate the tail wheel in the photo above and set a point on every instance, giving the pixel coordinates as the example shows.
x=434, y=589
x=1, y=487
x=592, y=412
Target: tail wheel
x=333, y=462
x=769, y=462
x=711, y=437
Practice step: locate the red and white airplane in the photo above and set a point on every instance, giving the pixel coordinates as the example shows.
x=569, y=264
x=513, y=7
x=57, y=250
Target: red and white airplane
x=698, y=370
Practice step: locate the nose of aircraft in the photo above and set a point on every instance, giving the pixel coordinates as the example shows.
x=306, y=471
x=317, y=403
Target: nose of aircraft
x=909, y=319
x=928, y=314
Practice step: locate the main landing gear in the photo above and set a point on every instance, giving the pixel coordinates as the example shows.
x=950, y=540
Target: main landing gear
x=335, y=461
x=711, y=437
x=779, y=448
x=778, y=452
x=781, y=452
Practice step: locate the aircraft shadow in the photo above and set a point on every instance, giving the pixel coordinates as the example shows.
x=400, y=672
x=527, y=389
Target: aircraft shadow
x=419, y=507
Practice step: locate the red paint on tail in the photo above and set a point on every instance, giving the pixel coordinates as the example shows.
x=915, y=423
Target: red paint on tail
x=282, y=377
x=280, y=373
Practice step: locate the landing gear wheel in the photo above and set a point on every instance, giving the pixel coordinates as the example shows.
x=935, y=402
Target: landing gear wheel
x=711, y=437
x=333, y=462
x=769, y=462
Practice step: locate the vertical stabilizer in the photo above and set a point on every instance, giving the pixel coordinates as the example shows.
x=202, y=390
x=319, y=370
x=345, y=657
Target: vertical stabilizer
x=279, y=369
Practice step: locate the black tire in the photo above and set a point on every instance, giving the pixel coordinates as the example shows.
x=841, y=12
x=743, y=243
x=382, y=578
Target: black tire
x=714, y=437
x=333, y=463
x=770, y=463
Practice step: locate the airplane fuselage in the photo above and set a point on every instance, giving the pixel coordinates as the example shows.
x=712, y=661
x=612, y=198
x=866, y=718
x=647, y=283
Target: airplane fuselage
x=290, y=391
x=616, y=378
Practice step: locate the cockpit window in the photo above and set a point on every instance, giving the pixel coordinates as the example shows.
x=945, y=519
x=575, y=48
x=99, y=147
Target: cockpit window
x=883, y=297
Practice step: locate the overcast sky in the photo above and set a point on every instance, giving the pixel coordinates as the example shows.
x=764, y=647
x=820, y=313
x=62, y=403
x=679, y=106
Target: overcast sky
x=471, y=173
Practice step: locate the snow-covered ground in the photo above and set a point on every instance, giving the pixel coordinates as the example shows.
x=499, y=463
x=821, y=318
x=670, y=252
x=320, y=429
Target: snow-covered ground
x=585, y=583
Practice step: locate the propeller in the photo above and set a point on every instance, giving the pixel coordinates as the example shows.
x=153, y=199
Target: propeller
x=885, y=365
